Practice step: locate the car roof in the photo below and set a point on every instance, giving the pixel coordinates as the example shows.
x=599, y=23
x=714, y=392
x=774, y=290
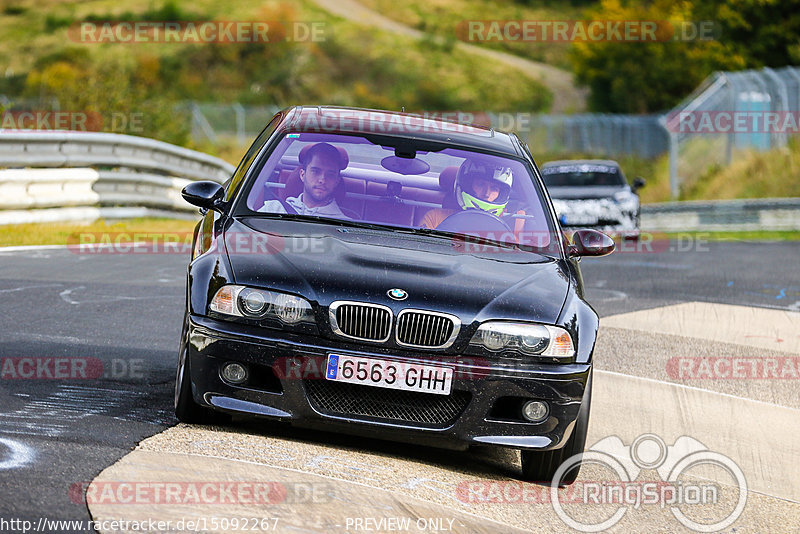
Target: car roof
x=335, y=119
x=606, y=162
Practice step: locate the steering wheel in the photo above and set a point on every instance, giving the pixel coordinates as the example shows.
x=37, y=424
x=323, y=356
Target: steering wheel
x=479, y=223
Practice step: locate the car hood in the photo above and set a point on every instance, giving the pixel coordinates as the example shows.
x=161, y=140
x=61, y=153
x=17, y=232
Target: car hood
x=328, y=262
x=592, y=192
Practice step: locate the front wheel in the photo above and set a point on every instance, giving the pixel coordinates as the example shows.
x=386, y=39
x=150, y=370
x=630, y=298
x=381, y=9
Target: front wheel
x=540, y=466
x=186, y=409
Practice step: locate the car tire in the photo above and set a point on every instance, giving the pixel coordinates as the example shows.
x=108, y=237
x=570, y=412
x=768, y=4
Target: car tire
x=186, y=409
x=541, y=466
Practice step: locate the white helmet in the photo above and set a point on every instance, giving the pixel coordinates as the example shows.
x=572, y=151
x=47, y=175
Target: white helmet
x=472, y=170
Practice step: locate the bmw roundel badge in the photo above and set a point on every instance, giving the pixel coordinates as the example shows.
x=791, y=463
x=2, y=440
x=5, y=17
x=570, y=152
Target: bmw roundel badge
x=397, y=294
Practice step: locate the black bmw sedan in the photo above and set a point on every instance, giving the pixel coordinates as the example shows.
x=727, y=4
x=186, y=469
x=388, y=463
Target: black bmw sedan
x=395, y=276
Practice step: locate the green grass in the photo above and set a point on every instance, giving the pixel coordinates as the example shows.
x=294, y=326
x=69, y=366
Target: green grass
x=353, y=66
x=769, y=174
x=759, y=235
x=448, y=18
x=136, y=229
x=68, y=233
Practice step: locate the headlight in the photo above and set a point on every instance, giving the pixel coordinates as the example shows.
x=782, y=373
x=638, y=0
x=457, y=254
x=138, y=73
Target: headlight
x=240, y=301
x=627, y=201
x=524, y=339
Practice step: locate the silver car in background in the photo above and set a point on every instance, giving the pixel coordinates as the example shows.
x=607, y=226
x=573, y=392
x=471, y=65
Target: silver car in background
x=594, y=194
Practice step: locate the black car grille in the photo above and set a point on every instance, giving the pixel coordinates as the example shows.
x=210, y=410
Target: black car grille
x=337, y=398
x=424, y=329
x=363, y=321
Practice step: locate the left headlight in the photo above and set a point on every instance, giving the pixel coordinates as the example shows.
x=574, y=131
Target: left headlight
x=251, y=303
x=524, y=339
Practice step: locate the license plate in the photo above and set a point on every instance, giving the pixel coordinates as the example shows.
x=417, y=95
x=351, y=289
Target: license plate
x=389, y=374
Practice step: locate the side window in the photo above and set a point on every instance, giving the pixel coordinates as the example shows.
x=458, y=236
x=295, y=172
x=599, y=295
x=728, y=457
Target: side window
x=233, y=183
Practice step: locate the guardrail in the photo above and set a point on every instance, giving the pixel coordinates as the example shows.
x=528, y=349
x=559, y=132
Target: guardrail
x=121, y=175
x=90, y=175
x=722, y=215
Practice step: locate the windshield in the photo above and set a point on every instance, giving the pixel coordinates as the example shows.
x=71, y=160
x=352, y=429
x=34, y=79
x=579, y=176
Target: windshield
x=404, y=184
x=582, y=175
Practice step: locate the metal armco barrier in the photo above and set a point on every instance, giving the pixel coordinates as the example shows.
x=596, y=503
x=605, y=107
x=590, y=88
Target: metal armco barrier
x=722, y=215
x=51, y=171
x=92, y=175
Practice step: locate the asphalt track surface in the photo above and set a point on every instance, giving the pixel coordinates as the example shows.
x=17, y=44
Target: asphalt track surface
x=121, y=313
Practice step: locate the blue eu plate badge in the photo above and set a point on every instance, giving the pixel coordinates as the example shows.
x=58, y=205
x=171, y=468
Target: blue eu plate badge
x=333, y=367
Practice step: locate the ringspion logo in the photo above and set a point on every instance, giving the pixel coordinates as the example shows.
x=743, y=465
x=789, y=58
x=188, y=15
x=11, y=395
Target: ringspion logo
x=695, y=501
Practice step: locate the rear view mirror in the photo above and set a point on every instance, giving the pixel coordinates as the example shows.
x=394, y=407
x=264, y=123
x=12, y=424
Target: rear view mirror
x=638, y=183
x=591, y=243
x=206, y=194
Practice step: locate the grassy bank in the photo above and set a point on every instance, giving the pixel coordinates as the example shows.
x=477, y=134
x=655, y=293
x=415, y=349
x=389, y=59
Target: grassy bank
x=347, y=64
x=138, y=229
x=69, y=233
x=451, y=19
x=770, y=174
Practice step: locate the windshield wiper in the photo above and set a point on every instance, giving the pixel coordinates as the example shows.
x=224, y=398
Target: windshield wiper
x=344, y=223
x=467, y=238
x=428, y=232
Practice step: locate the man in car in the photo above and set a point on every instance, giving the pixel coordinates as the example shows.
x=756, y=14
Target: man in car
x=479, y=186
x=320, y=172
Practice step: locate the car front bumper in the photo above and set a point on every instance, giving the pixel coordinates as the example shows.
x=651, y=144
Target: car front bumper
x=286, y=374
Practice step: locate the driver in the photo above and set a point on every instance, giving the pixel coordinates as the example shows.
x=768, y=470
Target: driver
x=478, y=185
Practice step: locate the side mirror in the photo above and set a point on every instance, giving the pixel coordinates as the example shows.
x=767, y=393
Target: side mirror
x=206, y=195
x=591, y=243
x=638, y=183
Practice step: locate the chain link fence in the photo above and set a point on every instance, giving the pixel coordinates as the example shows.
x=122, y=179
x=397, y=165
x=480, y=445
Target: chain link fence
x=597, y=133
x=593, y=133
x=730, y=114
x=210, y=121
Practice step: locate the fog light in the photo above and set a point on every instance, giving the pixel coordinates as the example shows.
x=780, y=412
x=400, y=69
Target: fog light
x=534, y=411
x=234, y=373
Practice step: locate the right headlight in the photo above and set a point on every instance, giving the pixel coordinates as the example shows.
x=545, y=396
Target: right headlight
x=251, y=303
x=627, y=201
x=524, y=339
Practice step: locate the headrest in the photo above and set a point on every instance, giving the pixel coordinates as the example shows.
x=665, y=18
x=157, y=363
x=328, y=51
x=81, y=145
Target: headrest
x=344, y=158
x=447, y=179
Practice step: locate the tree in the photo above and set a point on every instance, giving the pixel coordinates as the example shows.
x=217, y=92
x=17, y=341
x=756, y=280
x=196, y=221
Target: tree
x=645, y=77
